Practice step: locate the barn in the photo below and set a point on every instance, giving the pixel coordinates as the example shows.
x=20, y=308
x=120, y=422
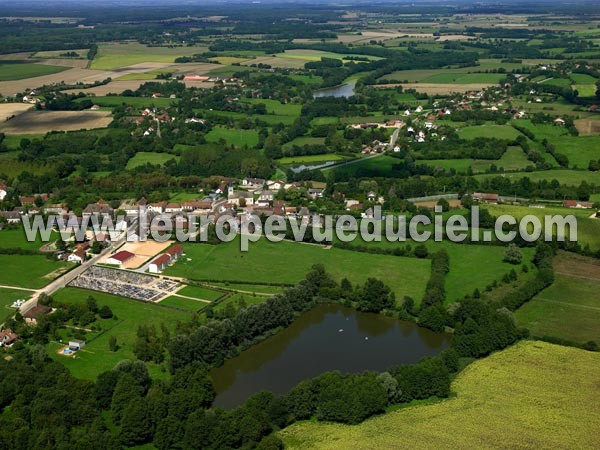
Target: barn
x=119, y=258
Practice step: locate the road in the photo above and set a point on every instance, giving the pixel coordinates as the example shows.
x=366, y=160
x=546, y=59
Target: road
x=65, y=279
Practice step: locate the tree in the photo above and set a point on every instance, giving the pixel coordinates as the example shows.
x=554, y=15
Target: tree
x=421, y=251
x=513, y=255
x=135, y=424
x=375, y=296
x=112, y=344
x=105, y=312
x=444, y=204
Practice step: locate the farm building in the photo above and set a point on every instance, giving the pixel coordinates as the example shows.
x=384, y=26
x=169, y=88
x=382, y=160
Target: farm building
x=77, y=256
x=119, y=258
x=175, y=252
x=159, y=264
x=35, y=313
x=486, y=198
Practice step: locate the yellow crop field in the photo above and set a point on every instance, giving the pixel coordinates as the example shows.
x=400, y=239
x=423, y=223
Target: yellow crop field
x=532, y=395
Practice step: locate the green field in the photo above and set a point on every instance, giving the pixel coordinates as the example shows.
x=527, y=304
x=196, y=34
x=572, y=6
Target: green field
x=588, y=229
x=585, y=90
x=183, y=303
x=233, y=136
x=136, y=102
x=276, y=107
x=19, y=71
x=489, y=131
x=570, y=307
x=130, y=314
x=116, y=55
x=143, y=158
x=15, y=237
x=310, y=159
x=464, y=78
x=580, y=150
x=7, y=297
x=29, y=271
x=201, y=293
x=379, y=166
x=564, y=176
x=264, y=263
x=305, y=140
x=552, y=404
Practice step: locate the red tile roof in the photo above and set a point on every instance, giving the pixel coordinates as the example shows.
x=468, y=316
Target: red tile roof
x=122, y=256
x=163, y=259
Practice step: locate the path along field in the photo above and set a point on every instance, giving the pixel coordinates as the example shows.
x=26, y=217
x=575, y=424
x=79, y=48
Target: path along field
x=531, y=395
x=37, y=122
x=269, y=262
x=570, y=307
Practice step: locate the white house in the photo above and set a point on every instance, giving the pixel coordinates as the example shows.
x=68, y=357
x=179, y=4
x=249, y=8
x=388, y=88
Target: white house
x=159, y=264
x=3, y=191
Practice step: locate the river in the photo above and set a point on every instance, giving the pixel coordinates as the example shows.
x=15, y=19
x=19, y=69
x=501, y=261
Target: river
x=328, y=337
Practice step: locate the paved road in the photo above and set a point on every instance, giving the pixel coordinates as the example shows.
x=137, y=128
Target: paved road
x=65, y=279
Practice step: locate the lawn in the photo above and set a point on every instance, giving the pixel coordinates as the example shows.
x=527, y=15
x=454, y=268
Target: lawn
x=19, y=71
x=585, y=90
x=130, y=314
x=265, y=262
x=489, y=131
x=29, y=271
x=143, y=158
x=233, y=136
x=570, y=307
x=116, y=55
x=552, y=404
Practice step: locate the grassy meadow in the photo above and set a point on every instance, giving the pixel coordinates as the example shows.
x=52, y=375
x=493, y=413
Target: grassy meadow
x=29, y=271
x=143, y=158
x=265, y=262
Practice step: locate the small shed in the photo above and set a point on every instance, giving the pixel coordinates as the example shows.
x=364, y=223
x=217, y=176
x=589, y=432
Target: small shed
x=76, y=344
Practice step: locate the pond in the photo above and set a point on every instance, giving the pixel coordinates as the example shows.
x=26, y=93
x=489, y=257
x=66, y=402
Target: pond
x=343, y=90
x=328, y=337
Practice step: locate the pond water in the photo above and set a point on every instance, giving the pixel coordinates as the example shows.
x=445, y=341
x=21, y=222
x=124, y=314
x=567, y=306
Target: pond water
x=343, y=90
x=328, y=337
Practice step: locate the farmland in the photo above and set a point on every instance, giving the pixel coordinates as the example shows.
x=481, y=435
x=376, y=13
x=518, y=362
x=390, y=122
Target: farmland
x=116, y=55
x=236, y=137
x=36, y=122
x=19, y=71
x=570, y=308
x=225, y=262
x=555, y=405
